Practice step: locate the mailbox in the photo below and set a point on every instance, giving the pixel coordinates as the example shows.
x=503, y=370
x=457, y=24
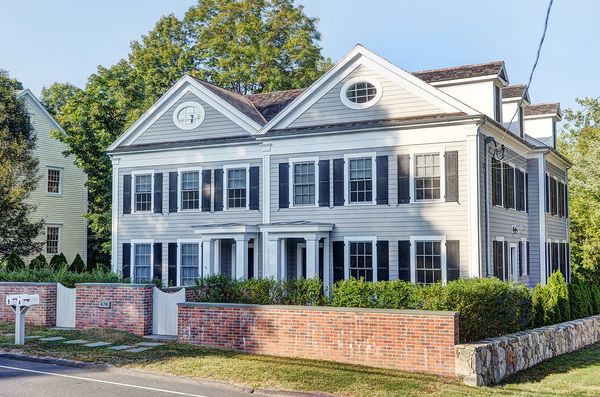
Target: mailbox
x=20, y=304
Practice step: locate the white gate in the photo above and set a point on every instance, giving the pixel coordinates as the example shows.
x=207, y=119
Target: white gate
x=65, y=306
x=164, y=311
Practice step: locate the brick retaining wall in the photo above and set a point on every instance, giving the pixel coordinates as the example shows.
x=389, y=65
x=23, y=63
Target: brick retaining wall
x=491, y=360
x=410, y=340
x=130, y=307
x=43, y=314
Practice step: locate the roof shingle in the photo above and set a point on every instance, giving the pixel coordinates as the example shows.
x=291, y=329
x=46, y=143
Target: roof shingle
x=269, y=104
x=461, y=72
x=542, y=108
x=514, y=91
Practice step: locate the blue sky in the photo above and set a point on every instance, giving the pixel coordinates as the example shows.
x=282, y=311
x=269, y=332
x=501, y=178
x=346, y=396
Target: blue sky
x=65, y=40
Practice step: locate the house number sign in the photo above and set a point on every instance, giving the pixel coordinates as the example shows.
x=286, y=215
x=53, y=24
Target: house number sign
x=104, y=305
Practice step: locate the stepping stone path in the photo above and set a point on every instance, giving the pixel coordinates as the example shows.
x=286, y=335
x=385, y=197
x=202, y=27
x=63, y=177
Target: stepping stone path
x=53, y=339
x=121, y=347
x=149, y=344
x=75, y=342
x=97, y=344
x=138, y=349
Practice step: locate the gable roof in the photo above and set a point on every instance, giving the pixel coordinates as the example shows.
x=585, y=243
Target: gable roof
x=542, y=108
x=40, y=107
x=269, y=104
x=463, y=72
x=515, y=91
x=239, y=101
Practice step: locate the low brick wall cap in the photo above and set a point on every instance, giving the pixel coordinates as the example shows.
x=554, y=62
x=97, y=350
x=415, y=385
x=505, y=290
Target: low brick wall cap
x=26, y=283
x=115, y=285
x=322, y=308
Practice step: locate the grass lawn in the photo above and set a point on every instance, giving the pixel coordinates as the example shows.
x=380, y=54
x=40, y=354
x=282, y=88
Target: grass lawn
x=576, y=374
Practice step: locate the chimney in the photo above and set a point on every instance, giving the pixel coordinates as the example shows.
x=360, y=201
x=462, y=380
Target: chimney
x=540, y=122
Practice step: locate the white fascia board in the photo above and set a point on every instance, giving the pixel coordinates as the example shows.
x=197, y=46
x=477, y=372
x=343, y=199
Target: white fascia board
x=167, y=100
x=40, y=108
x=360, y=55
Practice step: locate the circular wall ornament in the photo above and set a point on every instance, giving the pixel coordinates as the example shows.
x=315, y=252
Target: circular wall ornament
x=361, y=93
x=188, y=115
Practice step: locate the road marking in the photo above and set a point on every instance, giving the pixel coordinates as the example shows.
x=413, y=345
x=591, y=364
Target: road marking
x=102, y=381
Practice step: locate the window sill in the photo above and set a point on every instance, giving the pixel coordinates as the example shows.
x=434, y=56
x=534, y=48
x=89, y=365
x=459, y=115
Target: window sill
x=55, y=194
x=361, y=204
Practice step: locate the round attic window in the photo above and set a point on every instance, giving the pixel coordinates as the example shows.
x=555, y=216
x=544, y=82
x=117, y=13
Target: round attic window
x=361, y=93
x=188, y=115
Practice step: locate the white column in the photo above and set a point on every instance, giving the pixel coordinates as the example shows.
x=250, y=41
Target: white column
x=542, y=216
x=325, y=265
x=474, y=207
x=215, y=265
x=115, y=216
x=271, y=260
x=207, y=256
x=266, y=183
x=282, y=259
x=241, y=258
x=312, y=256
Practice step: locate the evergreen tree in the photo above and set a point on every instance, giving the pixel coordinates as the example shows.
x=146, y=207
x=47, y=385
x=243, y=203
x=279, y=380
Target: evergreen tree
x=18, y=173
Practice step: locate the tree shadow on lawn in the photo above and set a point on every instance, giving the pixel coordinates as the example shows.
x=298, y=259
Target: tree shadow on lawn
x=584, y=358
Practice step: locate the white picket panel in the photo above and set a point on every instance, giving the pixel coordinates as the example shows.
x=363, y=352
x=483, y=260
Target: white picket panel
x=164, y=311
x=65, y=306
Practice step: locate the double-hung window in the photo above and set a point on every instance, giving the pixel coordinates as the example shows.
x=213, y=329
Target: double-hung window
x=190, y=189
x=427, y=176
x=142, y=192
x=52, y=239
x=237, y=187
x=428, y=262
x=361, y=175
x=54, y=181
x=142, y=261
x=189, y=263
x=361, y=258
x=304, y=189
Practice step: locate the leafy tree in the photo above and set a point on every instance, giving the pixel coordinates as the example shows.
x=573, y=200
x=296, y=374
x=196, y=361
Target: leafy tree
x=58, y=261
x=39, y=262
x=243, y=45
x=580, y=143
x=18, y=173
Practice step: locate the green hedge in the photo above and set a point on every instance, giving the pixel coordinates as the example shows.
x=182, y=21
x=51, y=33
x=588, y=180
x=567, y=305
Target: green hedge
x=223, y=289
x=488, y=307
x=62, y=275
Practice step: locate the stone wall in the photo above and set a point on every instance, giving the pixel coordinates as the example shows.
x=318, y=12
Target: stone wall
x=43, y=314
x=409, y=340
x=130, y=307
x=490, y=361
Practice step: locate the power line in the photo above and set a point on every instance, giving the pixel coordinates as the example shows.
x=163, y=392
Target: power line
x=537, y=58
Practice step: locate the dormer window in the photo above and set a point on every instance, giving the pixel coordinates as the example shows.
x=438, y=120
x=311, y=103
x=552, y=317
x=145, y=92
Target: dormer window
x=188, y=115
x=360, y=93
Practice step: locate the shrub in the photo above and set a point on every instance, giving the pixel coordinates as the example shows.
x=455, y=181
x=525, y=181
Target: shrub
x=557, y=307
x=595, y=291
x=63, y=276
x=39, y=262
x=58, y=261
x=580, y=299
x=396, y=294
x=217, y=288
x=257, y=291
x=14, y=262
x=78, y=265
x=353, y=293
x=538, y=306
x=305, y=292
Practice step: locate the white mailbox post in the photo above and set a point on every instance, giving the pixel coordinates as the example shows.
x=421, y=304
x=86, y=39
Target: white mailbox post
x=20, y=304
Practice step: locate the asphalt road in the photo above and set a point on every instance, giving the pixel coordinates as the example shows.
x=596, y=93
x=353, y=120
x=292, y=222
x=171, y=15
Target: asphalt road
x=25, y=379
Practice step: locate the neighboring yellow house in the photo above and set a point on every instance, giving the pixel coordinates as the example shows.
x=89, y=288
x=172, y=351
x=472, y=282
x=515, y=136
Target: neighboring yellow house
x=61, y=196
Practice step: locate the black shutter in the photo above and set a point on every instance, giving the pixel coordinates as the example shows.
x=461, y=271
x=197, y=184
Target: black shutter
x=173, y=192
x=172, y=275
x=566, y=200
x=324, y=183
x=382, y=179
x=158, y=261
x=206, y=189
x=452, y=259
x=506, y=260
x=547, y=195
x=496, y=182
x=284, y=185
x=527, y=265
x=527, y=192
x=158, y=185
x=520, y=259
x=127, y=194
x=452, y=176
x=338, y=182
x=126, y=260
x=404, y=260
x=505, y=188
x=383, y=260
x=338, y=260
x=253, y=205
x=218, y=190
x=403, y=178
x=568, y=262
x=495, y=258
